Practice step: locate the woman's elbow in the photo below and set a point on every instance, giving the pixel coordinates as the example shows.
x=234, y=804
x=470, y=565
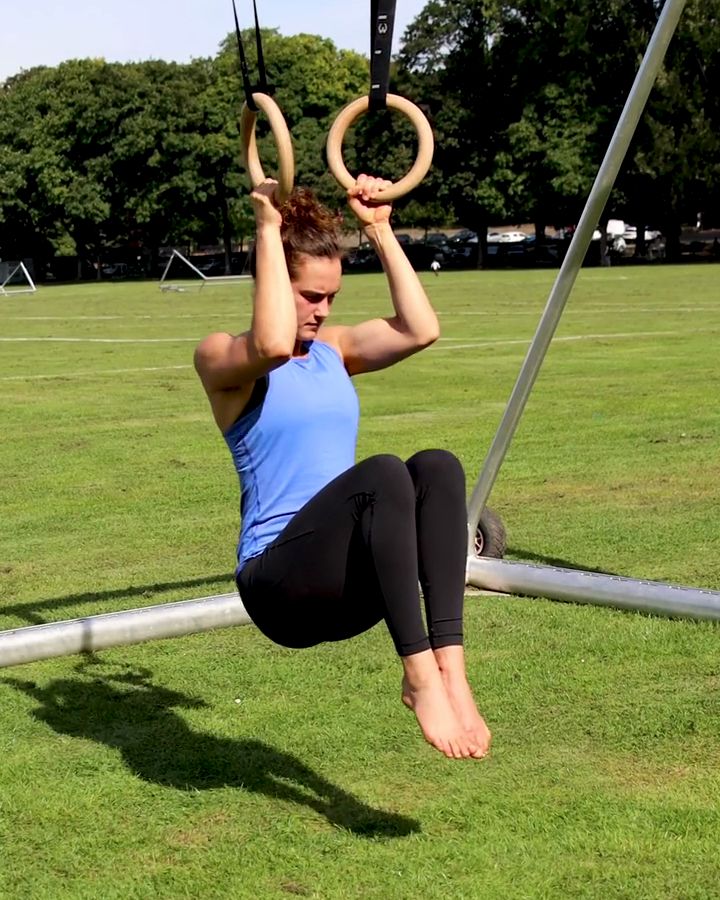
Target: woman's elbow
x=275, y=352
x=429, y=337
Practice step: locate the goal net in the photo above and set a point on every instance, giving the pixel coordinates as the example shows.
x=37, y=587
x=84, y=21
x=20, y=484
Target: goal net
x=15, y=279
x=180, y=274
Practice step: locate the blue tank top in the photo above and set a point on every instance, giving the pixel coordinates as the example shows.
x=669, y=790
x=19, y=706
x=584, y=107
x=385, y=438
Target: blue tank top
x=301, y=436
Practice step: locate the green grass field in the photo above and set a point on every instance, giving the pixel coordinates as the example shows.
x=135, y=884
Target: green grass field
x=221, y=766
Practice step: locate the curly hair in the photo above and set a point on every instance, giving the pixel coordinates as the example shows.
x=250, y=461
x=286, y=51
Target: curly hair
x=308, y=229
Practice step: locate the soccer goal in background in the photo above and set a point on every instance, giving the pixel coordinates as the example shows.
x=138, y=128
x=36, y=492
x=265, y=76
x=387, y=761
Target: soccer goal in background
x=182, y=275
x=15, y=279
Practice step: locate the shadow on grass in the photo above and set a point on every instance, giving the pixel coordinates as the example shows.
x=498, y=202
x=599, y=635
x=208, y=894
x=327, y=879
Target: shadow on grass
x=521, y=555
x=129, y=713
x=30, y=611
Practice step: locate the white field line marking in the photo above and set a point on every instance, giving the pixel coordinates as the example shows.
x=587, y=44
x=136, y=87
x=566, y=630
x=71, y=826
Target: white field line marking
x=501, y=342
x=582, y=276
x=359, y=312
x=445, y=279
x=366, y=312
x=112, y=318
x=97, y=374
x=75, y=340
x=599, y=310
x=467, y=346
x=575, y=337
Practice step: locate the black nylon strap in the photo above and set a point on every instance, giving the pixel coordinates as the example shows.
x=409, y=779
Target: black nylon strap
x=262, y=85
x=382, y=20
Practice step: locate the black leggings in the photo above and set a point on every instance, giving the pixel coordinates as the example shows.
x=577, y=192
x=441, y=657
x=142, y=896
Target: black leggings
x=353, y=555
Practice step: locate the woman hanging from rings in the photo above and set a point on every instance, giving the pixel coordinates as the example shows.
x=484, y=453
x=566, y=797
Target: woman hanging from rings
x=329, y=547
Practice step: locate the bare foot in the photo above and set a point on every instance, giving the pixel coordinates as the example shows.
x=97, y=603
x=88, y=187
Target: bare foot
x=451, y=661
x=424, y=693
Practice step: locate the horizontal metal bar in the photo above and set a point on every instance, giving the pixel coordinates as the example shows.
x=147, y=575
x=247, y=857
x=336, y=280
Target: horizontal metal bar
x=168, y=620
x=577, y=586
x=133, y=626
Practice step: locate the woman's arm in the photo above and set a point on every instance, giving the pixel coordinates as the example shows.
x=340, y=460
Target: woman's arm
x=379, y=343
x=225, y=362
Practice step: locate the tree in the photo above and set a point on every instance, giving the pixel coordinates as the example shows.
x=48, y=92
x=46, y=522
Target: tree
x=103, y=153
x=525, y=96
x=55, y=161
x=446, y=60
x=674, y=168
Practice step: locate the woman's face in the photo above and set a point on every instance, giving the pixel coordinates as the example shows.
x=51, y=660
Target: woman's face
x=316, y=282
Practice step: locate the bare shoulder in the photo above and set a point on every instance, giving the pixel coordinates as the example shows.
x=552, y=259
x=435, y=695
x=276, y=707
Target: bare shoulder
x=333, y=335
x=213, y=347
x=227, y=382
x=224, y=360
x=227, y=362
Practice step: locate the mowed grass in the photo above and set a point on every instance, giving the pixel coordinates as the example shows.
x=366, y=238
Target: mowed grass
x=219, y=765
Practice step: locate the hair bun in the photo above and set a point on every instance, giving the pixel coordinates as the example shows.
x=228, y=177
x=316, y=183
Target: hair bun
x=308, y=229
x=302, y=210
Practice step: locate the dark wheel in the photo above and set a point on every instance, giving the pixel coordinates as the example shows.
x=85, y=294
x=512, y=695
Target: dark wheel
x=490, y=537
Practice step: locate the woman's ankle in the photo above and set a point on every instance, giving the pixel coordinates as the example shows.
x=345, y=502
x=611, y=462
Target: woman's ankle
x=420, y=669
x=450, y=659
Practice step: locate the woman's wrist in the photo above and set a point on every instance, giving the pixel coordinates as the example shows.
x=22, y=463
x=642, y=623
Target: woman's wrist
x=377, y=230
x=267, y=227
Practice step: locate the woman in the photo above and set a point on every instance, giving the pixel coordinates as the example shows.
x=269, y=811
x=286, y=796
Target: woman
x=329, y=548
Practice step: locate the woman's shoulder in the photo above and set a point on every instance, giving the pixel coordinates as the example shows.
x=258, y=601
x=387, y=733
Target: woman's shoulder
x=331, y=336
x=214, y=345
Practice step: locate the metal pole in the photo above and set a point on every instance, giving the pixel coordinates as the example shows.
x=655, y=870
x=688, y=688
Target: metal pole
x=577, y=586
x=203, y=278
x=169, y=620
x=132, y=626
x=644, y=80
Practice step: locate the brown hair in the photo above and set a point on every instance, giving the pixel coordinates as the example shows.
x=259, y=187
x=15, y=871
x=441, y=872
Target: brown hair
x=308, y=229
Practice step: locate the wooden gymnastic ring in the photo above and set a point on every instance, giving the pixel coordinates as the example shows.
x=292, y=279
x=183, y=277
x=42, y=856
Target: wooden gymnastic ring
x=420, y=167
x=283, y=142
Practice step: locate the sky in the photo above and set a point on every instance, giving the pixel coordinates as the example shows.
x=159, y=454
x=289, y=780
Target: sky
x=49, y=31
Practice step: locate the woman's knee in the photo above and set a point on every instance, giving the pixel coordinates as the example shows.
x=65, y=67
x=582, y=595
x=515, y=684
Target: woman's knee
x=382, y=463
x=387, y=478
x=439, y=467
x=384, y=469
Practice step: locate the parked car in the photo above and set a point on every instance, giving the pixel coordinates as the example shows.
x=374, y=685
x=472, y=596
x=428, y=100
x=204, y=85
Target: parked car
x=460, y=254
x=114, y=270
x=361, y=259
x=466, y=236
x=505, y=237
x=436, y=237
x=212, y=267
x=122, y=270
x=630, y=233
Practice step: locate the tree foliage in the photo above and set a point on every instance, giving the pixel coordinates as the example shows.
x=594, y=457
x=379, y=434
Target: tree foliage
x=97, y=154
x=523, y=96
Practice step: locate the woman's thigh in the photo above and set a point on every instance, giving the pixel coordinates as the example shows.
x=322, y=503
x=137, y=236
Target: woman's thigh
x=316, y=581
